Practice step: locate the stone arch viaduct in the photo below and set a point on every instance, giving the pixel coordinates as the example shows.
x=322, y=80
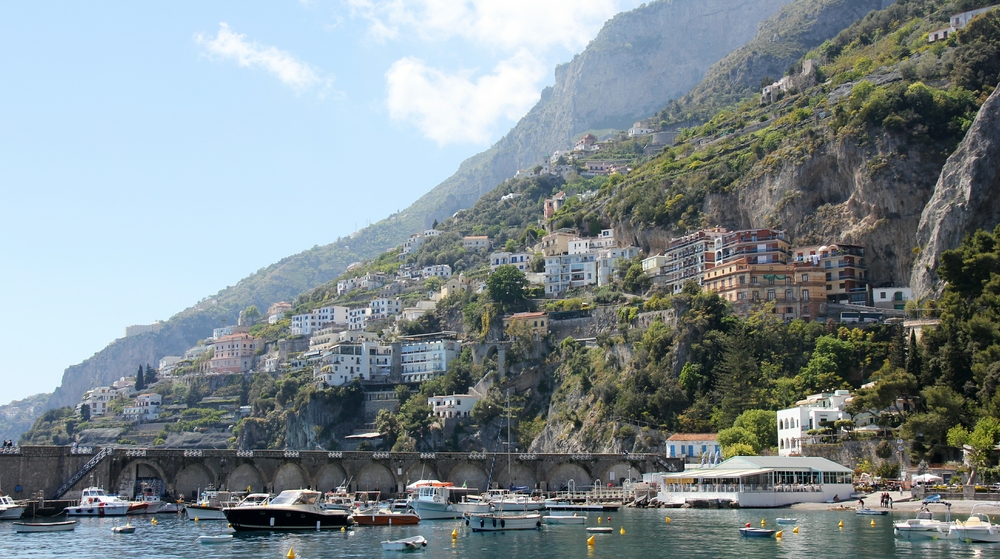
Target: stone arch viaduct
x=184, y=472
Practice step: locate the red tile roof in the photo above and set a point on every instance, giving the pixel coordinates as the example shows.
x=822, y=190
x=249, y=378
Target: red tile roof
x=693, y=437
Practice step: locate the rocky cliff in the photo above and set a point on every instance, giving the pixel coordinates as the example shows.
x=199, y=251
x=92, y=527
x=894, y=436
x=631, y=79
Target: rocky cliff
x=964, y=197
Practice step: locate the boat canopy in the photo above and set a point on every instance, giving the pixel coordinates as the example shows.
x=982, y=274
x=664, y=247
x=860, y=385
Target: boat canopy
x=296, y=497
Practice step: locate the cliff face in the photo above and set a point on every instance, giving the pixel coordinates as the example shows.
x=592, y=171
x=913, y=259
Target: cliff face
x=964, y=197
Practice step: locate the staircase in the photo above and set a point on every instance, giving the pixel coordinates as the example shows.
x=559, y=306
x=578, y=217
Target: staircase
x=90, y=465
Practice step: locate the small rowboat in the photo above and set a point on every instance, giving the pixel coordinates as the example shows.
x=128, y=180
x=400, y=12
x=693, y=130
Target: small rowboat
x=225, y=538
x=32, y=527
x=871, y=512
x=405, y=544
x=600, y=529
x=126, y=529
x=787, y=520
x=563, y=519
x=385, y=518
x=748, y=532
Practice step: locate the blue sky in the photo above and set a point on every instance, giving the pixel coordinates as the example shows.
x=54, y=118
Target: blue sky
x=152, y=154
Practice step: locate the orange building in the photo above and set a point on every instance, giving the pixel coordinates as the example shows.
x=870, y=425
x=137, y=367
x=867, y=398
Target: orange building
x=797, y=290
x=234, y=353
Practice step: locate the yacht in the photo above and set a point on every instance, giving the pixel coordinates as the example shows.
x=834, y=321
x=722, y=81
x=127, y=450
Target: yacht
x=925, y=526
x=210, y=505
x=95, y=502
x=977, y=528
x=432, y=502
x=512, y=500
x=9, y=509
x=297, y=509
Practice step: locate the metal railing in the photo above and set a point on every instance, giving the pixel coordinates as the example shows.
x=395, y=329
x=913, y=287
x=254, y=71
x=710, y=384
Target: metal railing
x=90, y=465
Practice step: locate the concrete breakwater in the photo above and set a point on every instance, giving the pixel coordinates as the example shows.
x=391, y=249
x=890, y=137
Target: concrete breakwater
x=181, y=473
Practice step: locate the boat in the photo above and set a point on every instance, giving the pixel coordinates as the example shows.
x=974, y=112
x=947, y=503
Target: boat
x=95, y=502
x=211, y=504
x=564, y=519
x=977, y=528
x=512, y=500
x=405, y=544
x=33, y=527
x=337, y=500
x=499, y=522
x=296, y=509
x=925, y=526
x=126, y=529
x=871, y=512
x=138, y=507
x=600, y=529
x=786, y=520
x=385, y=517
x=9, y=509
x=749, y=532
x=152, y=502
x=222, y=538
x=168, y=507
x=585, y=506
x=432, y=502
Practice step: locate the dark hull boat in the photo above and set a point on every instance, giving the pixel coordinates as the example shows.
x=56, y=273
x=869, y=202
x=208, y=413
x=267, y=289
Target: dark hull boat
x=291, y=510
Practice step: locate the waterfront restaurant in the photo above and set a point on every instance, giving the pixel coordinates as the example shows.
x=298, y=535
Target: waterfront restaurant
x=758, y=481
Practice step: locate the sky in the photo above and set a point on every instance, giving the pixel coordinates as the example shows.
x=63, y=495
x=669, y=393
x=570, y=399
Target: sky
x=152, y=154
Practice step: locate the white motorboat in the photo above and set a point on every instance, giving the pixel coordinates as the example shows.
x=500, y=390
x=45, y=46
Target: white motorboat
x=211, y=504
x=152, y=502
x=9, y=509
x=95, y=502
x=925, y=526
x=977, y=528
x=509, y=500
x=37, y=527
x=499, y=522
x=126, y=529
x=432, y=503
x=564, y=519
x=405, y=544
x=786, y=520
x=570, y=505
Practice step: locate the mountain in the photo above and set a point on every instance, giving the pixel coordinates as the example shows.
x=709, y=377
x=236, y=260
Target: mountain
x=639, y=60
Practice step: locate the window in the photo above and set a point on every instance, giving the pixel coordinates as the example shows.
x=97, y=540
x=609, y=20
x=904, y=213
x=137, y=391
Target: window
x=743, y=280
x=805, y=295
x=753, y=280
x=788, y=294
x=770, y=294
x=742, y=296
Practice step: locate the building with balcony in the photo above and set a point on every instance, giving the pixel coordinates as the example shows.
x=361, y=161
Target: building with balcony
x=758, y=246
x=844, y=270
x=454, y=406
x=686, y=259
x=692, y=445
x=347, y=361
x=385, y=307
x=520, y=260
x=814, y=412
x=424, y=360
x=556, y=243
x=476, y=242
x=98, y=399
x=234, y=353
x=145, y=408
x=607, y=259
x=795, y=289
x=306, y=324
x=358, y=318
x=565, y=271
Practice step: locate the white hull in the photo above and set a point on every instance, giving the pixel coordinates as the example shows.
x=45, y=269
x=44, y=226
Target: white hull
x=108, y=509
x=517, y=505
x=439, y=511
x=416, y=542
x=981, y=535
x=204, y=513
x=40, y=527
x=498, y=523
x=11, y=513
x=565, y=519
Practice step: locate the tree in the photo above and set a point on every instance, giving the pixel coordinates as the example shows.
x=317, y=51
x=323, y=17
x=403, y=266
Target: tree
x=85, y=412
x=737, y=435
x=139, y=381
x=740, y=386
x=763, y=424
x=149, y=377
x=250, y=315
x=738, y=449
x=636, y=281
x=388, y=426
x=510, y=245
x=506, y=287
x=977, y=444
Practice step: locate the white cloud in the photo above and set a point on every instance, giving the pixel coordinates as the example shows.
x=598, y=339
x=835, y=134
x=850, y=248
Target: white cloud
x=508, y=24
x=458, y=107
x=229, y=45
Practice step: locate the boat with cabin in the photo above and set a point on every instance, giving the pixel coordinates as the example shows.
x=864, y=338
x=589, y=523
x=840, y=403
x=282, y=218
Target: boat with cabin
x=924, y=526
x=210, y=505
x=9, y=508
x=432, y=501
x=94, y=501
x=296, y=509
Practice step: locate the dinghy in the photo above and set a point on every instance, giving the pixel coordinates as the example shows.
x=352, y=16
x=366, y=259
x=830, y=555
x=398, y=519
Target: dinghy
x=405, y=544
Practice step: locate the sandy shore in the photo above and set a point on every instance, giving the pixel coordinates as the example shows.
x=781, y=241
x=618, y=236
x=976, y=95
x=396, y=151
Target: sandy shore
x=901, y=503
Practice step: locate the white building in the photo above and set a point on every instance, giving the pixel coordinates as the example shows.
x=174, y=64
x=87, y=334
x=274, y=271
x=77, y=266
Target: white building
x=146, y=408
x=350, y=360
x=607, y=259
x=426, y=360
x=640, y=128
x=438, y=270
x=99, y=399
x=794, y=423
x=891, y=297
x=384, y=307
x=454, y=406
x=306, y=324
x=957, y=21
x=564, y=271
x=520, y=260
x=692, y=445
x=358, y=318
x=168, y=364
x=347, y=285
x=371, y=282
x=413, y=313
x=476, y=242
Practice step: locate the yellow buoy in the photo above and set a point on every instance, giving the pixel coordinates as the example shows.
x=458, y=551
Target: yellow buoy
x=196, y=519
x=668, y=520
x=454, y=533
x=840, y=524
x=590, y=540
x=873, y=523
x=598, y=519
x=763, y=522
x=343, y=528
x=290, y=554
x=622, y=531
x=779, y=533
x=796, y=530
x=154, y=522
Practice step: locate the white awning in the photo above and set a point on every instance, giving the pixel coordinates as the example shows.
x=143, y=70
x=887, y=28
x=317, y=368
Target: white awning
x=713, y=473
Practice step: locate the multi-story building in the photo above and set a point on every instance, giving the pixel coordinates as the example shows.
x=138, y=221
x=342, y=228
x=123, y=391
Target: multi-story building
x=957, y=21
x=608, y=258
x=424, y=360
x=234, y=353
x=758, y=246
x=358, y=318
x=415, y=312
x=306, y=324
x=686, y=259
x=891, y=297
x=277, y=311
x=845, y=271
x=437, y=271
x=476, y=242
x=98, y=399
x=384, y=307
x=520, y=260
x=556, y=243
x=564, y=271
x=347, y=285
x=795, y=289
x=692, y=445
x=347, y=361
x=537, y=321
x=454, y=406
x=793, y=423
x=371, y=282
x=137, y=329
x=552, y=205
x=145, y=408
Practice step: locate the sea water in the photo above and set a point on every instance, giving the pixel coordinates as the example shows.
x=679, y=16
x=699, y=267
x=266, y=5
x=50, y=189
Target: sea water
x=694, y=533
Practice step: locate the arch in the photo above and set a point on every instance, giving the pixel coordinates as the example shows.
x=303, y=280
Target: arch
x=375, y=477
x=419, y=470
x=518, y=475
x=135, y=469
x=468, y=474
x=192, y=479
x=289, y=476
x=246, y=475
x=562, y=473
x=330, y=476
x=491, y=352
x=621, y=471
